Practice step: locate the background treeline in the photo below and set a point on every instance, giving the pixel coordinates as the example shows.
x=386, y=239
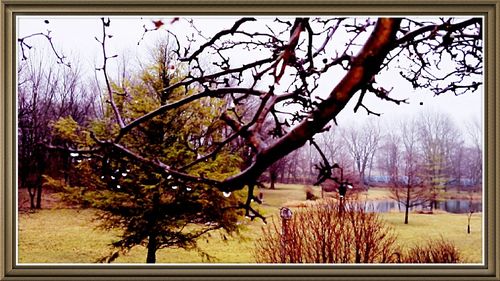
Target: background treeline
x=429, y=149
x=429, y=146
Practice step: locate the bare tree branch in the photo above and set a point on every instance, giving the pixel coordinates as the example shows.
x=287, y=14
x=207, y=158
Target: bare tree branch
x=365, y=65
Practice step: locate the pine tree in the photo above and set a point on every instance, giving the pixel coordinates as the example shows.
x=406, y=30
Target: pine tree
x=149, y=207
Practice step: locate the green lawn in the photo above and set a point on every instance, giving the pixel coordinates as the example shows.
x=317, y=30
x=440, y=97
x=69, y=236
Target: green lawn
x=422, y=227
x=69, y=235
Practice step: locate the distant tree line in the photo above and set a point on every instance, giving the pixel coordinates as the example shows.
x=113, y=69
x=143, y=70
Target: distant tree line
x=47, y=92
x=429, y=148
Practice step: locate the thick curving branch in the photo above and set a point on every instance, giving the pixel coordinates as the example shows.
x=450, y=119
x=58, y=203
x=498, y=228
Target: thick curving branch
x=364, y=66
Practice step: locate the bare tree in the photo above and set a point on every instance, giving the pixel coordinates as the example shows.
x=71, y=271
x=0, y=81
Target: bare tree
x=277, y=171
x=46, y=93
x=474, y=154
x=362, y=143
x=389, y=157
x=456, y=163
x=438, y=137
x=408, y=189
x=334, y=146
x=35, y=87
x=283, y=66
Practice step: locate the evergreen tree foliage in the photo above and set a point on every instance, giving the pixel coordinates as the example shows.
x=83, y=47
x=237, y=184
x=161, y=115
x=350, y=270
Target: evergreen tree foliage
x=151, y=208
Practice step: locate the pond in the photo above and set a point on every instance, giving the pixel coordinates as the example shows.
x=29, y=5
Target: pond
x=452, y=206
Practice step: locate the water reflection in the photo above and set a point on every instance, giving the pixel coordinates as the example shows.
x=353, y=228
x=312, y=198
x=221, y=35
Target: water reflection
x=451, y=206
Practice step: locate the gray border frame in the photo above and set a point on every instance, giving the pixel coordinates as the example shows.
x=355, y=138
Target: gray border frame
x=490, y=9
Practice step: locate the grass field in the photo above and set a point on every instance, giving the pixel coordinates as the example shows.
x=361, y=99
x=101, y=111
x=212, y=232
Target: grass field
x=70, y=235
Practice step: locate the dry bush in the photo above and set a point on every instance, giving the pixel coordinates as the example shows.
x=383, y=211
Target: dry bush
x=435, y=251
x=309, y=193
x=326, y=233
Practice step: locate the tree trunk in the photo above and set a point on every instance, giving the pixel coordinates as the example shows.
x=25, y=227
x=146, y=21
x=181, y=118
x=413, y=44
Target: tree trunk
x=468, y=222
x=152, y=221
x=151, y=249
x=32, y=198
x=40, y=169
x=407, y=205
x=273, y=177
x=433, y=201
x=362, y=181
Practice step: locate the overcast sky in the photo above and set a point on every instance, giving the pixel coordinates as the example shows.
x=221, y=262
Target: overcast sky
x=75, y=36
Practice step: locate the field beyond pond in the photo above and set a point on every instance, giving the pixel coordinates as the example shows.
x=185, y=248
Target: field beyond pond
x=70, y=235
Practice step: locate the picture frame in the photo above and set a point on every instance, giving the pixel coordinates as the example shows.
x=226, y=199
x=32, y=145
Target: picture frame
x=10, y=270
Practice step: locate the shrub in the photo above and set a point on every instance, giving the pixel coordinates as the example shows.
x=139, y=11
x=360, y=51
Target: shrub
x=435, y=251
x=309, y=193
x=328, y=233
